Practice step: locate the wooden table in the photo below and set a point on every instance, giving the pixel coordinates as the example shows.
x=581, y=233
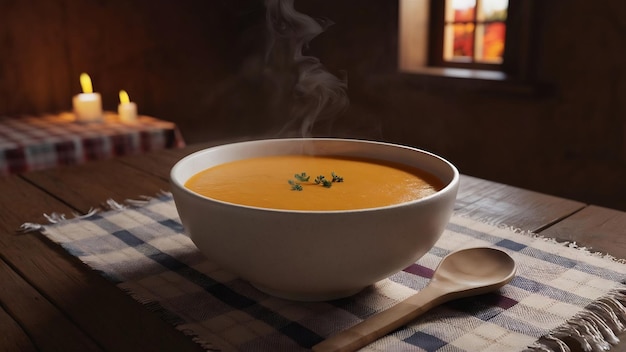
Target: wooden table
x=47, y=296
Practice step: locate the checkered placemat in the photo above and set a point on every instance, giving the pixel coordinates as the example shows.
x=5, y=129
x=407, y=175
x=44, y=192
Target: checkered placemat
x=559, y=291
x=31, y=143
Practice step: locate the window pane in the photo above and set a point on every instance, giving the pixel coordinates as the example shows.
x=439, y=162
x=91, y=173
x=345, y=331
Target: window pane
x=462, y=42
x=474, y=31
x=494, y=10
x=460, y=10
x=493, y=42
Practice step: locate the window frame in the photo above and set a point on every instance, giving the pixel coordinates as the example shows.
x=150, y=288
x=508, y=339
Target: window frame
x=437, y=26
x=416, y=40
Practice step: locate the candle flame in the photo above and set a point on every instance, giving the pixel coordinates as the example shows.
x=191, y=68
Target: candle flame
x=124, y=98
x=85, y=83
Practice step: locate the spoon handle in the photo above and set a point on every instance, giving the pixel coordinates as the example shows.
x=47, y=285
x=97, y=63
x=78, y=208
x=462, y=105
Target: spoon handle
x=371, y=329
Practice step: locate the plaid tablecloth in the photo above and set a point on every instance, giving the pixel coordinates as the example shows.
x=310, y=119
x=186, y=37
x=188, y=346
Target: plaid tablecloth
x=560, y=293
x=39, y=142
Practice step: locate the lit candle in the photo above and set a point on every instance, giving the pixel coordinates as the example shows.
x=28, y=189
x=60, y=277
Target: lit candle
x=127, y=110
x=87, y=105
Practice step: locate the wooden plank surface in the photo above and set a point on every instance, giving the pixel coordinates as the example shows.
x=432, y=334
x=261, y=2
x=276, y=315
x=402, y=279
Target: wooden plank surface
x=601, y=229
x=90, y=185
x=497, y=203
x=29, y=310
x=13, y=337
x=102, y=311
x=47, y=326
x=109, y=317
x=160, y=163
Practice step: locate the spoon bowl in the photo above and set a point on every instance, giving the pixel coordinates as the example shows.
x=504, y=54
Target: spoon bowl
x=463, y=273
x=473, y=271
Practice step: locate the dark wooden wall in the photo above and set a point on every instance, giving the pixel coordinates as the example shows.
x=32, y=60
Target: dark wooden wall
x=167, y=54
x=200, y=63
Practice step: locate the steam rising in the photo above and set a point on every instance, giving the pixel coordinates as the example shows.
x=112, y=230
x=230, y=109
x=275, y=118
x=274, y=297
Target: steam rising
x=315, y=93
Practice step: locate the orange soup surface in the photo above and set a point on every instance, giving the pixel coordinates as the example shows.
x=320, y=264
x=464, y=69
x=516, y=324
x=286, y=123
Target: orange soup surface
x=264, y=182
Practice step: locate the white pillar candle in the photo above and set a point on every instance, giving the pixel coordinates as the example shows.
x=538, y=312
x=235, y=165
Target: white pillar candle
x=87, y=105
x=126, y=110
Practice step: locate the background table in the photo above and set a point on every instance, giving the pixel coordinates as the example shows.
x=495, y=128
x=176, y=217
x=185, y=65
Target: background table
x=46, y=295
x=31, y=143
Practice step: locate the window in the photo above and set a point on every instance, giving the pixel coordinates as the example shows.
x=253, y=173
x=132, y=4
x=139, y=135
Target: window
x=485, y=39
x=468, y=33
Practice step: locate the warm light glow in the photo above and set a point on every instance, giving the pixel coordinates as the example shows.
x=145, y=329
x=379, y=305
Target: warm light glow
x=124, y=98
x=85, y=83
x=413, y=28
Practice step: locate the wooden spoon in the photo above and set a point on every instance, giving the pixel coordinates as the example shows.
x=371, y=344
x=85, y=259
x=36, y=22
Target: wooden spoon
x=463, y=273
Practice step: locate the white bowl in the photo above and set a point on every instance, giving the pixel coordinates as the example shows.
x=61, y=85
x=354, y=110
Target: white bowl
x=313, y=255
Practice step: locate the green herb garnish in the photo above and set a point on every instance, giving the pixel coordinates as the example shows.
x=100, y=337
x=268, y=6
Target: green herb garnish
x=295, y=186
x=302, y=177
x=319, y=180
x=336, y=178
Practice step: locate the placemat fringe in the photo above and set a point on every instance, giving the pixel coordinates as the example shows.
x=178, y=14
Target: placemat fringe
x=111, y=204
x=569, y=244
x=56, y=218
x=595, y=328
x=141, y=201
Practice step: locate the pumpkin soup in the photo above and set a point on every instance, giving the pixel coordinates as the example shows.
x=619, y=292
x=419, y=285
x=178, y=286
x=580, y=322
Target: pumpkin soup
x=298, y=182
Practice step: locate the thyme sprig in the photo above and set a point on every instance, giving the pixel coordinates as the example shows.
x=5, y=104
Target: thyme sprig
x=336, y=178
x=319, y=180
x=302, y=177
x=295, y=186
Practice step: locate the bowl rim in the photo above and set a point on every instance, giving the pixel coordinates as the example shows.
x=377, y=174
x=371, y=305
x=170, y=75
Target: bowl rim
x=453, y=183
